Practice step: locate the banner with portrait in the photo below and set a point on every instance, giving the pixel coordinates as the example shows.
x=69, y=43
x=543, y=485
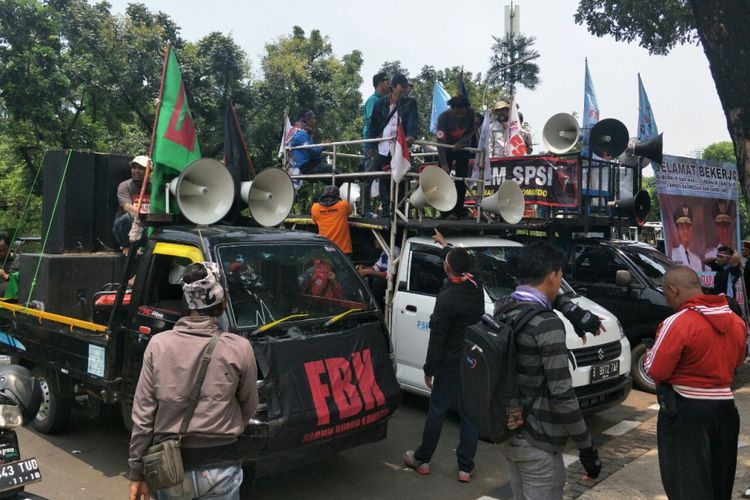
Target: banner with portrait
x=699, y=211
x=544, y=180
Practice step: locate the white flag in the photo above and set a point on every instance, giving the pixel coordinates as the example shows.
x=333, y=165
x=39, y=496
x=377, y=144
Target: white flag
x=484, y=138
x=284, y=139
x=514, y=144
x=401, y=160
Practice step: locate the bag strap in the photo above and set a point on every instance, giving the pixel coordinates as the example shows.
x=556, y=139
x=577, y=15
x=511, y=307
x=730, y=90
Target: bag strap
x=195, y=392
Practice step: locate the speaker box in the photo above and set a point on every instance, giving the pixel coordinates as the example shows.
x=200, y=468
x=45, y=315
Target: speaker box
x=110, y=171
x=71, y=229
x=67, y=283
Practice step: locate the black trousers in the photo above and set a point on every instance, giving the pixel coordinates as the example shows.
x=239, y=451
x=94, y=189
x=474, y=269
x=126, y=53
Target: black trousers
x=459, y=161
x=698, y=449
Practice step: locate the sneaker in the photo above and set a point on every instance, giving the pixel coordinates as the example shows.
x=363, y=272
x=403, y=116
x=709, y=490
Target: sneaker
x=410, y=461
x=465, y=477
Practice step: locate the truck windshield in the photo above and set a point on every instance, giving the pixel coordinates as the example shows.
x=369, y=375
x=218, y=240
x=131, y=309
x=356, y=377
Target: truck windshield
x=653, y=263
x=497, y=269
x=273, y=281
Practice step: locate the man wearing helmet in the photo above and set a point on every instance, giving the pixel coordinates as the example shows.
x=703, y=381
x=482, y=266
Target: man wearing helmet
x=226, y=402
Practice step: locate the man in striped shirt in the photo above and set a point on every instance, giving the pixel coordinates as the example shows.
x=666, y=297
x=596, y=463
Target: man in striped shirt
x=534, y=455
x=693, y=362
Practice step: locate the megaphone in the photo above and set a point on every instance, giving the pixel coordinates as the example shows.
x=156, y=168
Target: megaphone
x=270, y=196
x=561, y=133
x=436, y=188
x=608, y=138
x=636, y=208
x=650, y=149
x=508, y=202
x=204, y=191
x=350, y=192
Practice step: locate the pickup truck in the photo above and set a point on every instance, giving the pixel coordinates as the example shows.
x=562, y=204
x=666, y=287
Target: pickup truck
x=326, y=380
x=599, y=369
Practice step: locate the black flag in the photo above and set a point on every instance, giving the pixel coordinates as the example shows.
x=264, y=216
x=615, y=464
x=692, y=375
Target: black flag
x=236, y=159
x=462, y=86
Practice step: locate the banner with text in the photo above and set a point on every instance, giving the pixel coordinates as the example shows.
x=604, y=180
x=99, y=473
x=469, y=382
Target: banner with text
x=698, y=201
x=544, y=180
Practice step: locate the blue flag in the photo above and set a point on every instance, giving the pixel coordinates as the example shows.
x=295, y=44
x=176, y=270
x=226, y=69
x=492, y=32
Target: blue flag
x=590, y=110
x=646, y=123
x=439, y=104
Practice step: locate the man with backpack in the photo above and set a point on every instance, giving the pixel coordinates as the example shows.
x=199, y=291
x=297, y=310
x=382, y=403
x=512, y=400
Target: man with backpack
x=549, y=404
x=459, y=304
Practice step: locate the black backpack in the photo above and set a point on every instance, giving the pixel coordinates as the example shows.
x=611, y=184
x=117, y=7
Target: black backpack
x=489, y=377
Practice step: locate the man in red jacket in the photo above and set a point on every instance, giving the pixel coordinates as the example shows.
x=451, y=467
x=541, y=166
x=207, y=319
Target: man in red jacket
x=693, y=361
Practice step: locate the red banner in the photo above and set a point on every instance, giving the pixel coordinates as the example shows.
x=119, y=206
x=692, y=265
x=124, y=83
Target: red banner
x=544, y=180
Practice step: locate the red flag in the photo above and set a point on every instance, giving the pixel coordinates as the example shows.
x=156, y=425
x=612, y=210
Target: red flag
x=401, y=161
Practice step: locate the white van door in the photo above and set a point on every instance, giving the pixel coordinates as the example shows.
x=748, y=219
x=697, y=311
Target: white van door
x=412, y=308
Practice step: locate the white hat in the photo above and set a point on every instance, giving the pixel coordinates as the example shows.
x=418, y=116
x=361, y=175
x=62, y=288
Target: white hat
x=141, y=161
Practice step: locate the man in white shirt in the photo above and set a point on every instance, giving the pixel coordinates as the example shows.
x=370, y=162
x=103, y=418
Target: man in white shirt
x=683, y=219
x=499, y=129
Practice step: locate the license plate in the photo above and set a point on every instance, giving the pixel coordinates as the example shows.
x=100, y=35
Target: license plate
x=16, y=474
x=605, y=371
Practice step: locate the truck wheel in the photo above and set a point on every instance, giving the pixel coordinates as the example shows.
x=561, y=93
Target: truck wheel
x=56, y=409
x=126, y=408
x=637, y=370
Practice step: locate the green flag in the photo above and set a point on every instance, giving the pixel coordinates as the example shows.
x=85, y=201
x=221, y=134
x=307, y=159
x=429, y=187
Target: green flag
x=175, y=143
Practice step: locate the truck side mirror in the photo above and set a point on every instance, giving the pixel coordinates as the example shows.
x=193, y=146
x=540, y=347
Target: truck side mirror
x=623, y=278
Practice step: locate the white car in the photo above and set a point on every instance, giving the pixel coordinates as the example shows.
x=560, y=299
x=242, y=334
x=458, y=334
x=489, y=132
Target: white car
x=600, y=368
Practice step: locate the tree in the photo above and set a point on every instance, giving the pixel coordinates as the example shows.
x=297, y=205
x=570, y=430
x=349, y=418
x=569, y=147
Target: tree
x=654, y=213
x=721, y=27
x=512, y=63
x=724, y=151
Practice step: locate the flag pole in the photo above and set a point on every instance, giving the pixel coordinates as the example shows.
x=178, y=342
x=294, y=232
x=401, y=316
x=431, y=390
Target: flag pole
x=153, y=136
x=242, y=137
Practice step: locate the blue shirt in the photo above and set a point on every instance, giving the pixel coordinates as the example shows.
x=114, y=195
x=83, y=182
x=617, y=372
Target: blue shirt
x=369, y=104
x=304, y=156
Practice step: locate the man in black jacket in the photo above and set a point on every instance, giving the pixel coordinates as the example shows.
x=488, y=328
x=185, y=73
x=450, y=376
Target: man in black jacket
x=455, y=127
x=388, y=112
x=459, y=304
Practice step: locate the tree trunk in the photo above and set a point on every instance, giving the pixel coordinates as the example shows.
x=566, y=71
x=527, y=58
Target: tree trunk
x=723, y=29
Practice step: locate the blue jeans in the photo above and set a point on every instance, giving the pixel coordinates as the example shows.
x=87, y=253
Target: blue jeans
x=218, y=483
x=446, y=392
x=121, y=229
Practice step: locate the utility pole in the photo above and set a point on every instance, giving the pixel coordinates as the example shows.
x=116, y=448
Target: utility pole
x=512, y=28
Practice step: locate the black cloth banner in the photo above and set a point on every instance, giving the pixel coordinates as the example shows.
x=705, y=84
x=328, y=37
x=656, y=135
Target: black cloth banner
x=236, y=161
x=327, y=386
x=544, y=180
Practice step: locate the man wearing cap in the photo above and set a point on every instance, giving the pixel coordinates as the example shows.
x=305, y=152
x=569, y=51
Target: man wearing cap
x=128, y=193
x=387, y=113
x=723, y=216
x=331, y=214
x=683, y=219
x=227, y=400
x=455, y=127
x=728, y=268
x=382, y=85
x=499, y=129
x=308, y=160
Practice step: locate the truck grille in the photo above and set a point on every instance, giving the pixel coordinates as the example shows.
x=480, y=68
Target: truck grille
x=588, y=356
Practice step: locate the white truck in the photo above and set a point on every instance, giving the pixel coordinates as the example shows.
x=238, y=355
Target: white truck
x=600, y=368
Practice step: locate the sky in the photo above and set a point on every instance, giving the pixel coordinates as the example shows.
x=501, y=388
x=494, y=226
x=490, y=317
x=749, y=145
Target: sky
x=445, y=33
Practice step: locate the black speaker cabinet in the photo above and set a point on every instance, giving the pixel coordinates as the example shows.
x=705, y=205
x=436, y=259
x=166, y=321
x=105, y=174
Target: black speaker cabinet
x=67, y=283
x=111, y=170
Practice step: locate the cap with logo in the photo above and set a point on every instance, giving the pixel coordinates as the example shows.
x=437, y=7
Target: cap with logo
x=683, y=215
x=722, y=211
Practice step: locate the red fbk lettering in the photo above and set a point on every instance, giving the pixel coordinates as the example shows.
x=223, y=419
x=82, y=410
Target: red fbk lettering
x=185, y=134
x=350, y=385
x=518, y=146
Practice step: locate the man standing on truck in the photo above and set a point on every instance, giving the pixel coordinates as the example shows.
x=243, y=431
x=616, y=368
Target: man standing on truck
x=534, y=455
x=459, y=304
x=387, y=113
x=382, y=85
x=128, y=193
x=228, y=396
x=455, y=127
x=693, y=362
x=331, y=214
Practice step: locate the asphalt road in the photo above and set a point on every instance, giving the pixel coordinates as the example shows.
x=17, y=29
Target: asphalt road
x=90, y=461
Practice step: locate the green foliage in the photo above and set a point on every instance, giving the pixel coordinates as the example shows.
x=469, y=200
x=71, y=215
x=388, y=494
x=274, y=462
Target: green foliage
x=724, y=151
x=512, y=63
x=657, y=26
x=654, y=214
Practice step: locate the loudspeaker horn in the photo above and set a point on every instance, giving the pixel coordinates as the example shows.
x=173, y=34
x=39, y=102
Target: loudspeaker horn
x=561, y=133
x=508, y=202
x=650, y=149
x=350, y=192
x=436, y=188
x=635, y=208
x=608, y=138
x=204, y=191
x=270, y=196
